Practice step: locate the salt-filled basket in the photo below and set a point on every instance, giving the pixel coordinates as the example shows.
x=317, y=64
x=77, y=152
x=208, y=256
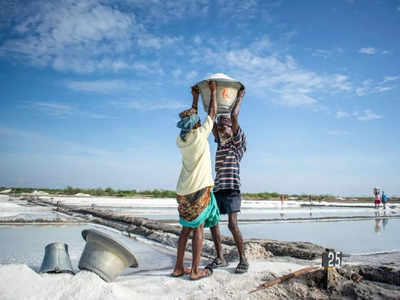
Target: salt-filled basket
x=227, y=89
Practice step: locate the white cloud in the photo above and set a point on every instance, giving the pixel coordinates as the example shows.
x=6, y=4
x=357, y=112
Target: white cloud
x=369, y=115
x=261, y=68
x=82, y=36
x=384, y=52
x=369, y=50
x=72, y=35
x=264, y=68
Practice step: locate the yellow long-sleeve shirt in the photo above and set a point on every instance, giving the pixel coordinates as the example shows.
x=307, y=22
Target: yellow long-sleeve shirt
x=196, y=171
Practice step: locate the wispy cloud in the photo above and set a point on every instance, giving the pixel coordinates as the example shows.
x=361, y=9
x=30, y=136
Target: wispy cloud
x=61, y=110
x=297, y=99
x=12, y=132
x=53, y=109
x=324, y=53
x=370, y=86
x=149, y=105
x=100, y=86
x=342, y=114
x=82, y=36
x=338, y=132
x=262, y=66
x=249, y=9
x=155, y=42
x=366, y=115
x=390, y=78
x=368, y=50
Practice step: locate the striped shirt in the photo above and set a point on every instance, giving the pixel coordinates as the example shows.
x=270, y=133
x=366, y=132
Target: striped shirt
x=227, y=162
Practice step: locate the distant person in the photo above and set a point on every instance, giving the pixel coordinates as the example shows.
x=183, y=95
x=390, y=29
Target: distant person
x=231, y=145
x=384, y=199
x=196, y=202
x=377, y=200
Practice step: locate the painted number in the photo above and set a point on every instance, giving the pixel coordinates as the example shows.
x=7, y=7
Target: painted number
x=332, y=259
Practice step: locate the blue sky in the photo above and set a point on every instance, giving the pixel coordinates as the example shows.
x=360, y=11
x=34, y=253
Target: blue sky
x=91, y=90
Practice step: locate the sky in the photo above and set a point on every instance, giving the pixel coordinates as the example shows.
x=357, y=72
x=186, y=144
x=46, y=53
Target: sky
x=91, y=91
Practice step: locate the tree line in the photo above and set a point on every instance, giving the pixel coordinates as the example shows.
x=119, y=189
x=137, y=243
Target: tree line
x=160, y=193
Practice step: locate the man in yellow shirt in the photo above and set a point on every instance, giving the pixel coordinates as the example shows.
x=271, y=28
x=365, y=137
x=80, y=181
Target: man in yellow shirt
x=196, y=203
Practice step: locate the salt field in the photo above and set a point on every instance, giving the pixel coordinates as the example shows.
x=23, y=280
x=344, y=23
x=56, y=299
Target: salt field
x=360, y=229
x=353, y=230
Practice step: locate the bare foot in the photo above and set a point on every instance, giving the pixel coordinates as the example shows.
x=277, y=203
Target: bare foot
x=180, y=272
x=202, y=273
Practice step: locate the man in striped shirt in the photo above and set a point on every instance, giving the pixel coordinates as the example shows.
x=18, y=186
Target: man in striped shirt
x=231, y=142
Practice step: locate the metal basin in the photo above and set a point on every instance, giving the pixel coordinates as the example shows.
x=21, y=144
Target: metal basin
x=104, y=255
x=56, y=259
x=227, y=89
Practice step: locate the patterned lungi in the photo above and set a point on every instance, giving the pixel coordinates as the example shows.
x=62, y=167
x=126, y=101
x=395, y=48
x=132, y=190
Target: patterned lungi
x=198, y=208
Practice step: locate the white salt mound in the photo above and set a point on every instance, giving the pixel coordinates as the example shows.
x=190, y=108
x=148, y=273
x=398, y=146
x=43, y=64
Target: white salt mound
x=82, y=195
x=19, y=282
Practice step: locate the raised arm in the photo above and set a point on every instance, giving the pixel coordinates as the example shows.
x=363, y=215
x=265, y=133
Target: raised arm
x=236, y=110
x=215, y=130
x=195, y=93
x=212, y=109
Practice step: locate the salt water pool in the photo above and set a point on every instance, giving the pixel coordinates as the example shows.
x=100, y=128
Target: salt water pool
x=355, y=236
x=26, y=244
x=162, y=213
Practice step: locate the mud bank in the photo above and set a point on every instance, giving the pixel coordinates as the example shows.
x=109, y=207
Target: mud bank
x=349, y=282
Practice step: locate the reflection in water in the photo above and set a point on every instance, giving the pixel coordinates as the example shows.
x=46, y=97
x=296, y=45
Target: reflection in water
x=378, y=225
x=380, y=219
x=282, y=210
x=384, y=223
